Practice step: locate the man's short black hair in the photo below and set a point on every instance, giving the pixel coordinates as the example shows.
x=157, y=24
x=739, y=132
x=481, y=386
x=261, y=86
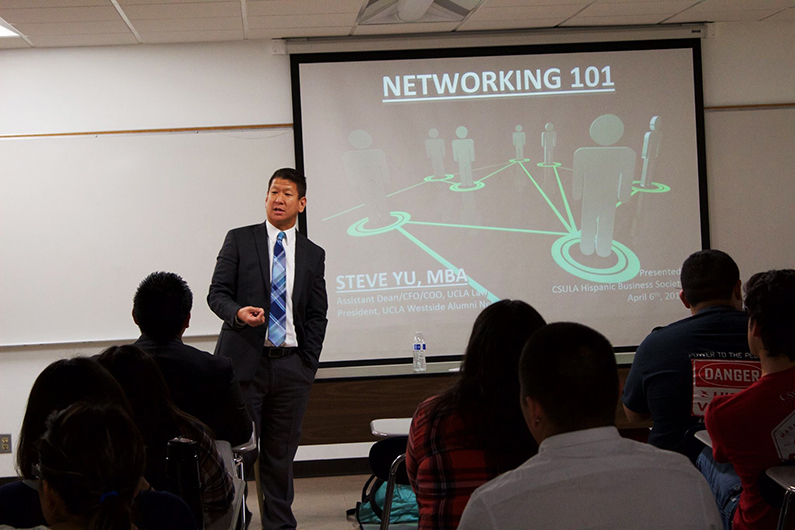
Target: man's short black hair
x=162, y=303
x=570, y=369
x=770, y=304
x=288, y=173
x=709, y=275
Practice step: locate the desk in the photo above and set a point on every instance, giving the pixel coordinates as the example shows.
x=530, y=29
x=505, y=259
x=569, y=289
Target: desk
x=703, y=437
x=390, y=427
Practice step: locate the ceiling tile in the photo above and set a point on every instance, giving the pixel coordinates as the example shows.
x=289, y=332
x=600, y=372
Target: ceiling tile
x=525, y=13
x=152, y=2
x=635, y=8
x=7, y=43
x=302, y=7
x=191, y=10
x=302, y=21
x=188, y=24
x=58, y=14
x=722, y=15
x=74, y=28
x=19, y=4
x=192, y=36
x=391, y=29
x=746, y=5
x=51, y=41
x=286, y=33
x=632, y=20
x=485, y=25
x=527, y=3
x=785, y=15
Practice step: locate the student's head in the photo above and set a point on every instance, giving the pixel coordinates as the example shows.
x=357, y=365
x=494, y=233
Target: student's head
x=140, y=378
x=492, y=355
x=91, y=459
x=710, y=277
x=162, y=304
x=770, y=304
x=569, y=380
x=58, y=386
x=286, y=198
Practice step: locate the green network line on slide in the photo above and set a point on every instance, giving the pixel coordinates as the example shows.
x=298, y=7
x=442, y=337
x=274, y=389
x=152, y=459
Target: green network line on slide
x=622, y=271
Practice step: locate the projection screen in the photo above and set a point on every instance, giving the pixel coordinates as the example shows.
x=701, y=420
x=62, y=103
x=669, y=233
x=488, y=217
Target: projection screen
x=440, y=181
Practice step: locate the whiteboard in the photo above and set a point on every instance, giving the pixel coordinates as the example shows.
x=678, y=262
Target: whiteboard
x=751, y=176
x=84, y=219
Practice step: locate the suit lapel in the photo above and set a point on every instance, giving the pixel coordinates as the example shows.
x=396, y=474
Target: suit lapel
x=300, y=268
x=261, y=241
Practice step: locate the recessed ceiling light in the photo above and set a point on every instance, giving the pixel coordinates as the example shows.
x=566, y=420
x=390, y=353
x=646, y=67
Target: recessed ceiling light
x=6, y=30
x=408, y=11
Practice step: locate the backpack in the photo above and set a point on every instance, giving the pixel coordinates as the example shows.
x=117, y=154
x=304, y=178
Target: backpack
x=404, y=514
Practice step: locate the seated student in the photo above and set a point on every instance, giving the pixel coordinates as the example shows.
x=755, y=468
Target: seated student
x=90, y=463
x=201, y=384
x=660, y=383
x=474, y=431
x=160, y=420
x=585, y=475
x=753, y=430
x=58, y=386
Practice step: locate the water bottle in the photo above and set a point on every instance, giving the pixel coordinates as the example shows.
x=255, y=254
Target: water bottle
x=418, y=350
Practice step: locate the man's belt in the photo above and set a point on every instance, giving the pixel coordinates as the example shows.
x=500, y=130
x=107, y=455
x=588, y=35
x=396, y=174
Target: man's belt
x=272, y=351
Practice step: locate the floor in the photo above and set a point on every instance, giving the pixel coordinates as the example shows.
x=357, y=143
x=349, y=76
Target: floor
x=320, y=503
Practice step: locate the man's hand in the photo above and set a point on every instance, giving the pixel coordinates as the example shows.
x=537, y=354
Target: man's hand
x=252, y=316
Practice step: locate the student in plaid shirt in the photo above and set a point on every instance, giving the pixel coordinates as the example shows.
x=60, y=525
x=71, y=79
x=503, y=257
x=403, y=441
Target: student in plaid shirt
x=474, y=431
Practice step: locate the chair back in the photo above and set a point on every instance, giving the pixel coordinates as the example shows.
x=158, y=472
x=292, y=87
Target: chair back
x=383, y=454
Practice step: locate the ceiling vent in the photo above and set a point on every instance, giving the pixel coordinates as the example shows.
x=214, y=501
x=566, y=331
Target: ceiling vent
x=413, y=11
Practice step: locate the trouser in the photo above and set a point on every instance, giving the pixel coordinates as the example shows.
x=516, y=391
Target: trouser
x=277, y=397
x=724, y=483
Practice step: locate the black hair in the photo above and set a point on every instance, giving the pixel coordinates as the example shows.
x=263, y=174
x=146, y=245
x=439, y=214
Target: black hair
x=162, y=303
x=570, y=370
x=293, y=176
x=487, y=393
x=92, y=456
x=58, y=386
x=709, y=275
x=770, y=304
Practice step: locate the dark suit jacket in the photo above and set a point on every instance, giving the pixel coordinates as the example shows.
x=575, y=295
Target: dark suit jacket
x=242, y=278
x=204, y=386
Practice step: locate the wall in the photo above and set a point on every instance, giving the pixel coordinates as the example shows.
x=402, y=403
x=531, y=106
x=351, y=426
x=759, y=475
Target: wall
x=119, y=88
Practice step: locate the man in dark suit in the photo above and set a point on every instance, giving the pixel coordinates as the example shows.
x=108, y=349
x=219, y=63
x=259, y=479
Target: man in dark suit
x=269, y=289
x=201, y=384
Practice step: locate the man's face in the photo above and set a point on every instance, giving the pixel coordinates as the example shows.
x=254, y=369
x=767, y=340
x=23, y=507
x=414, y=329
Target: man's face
x=282, y=205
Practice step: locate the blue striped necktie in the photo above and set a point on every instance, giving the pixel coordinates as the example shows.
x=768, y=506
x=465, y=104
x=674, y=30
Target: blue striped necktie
x=277, y=325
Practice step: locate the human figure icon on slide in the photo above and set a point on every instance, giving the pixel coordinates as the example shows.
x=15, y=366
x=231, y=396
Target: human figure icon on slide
x=602, y=175
x=464, y=154
x=367, y=171
x=519, y=139
x=651, y=150
x=548, y=140
x=435, y=150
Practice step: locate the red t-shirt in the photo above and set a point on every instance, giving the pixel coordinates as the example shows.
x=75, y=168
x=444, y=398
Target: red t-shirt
x=755, y=430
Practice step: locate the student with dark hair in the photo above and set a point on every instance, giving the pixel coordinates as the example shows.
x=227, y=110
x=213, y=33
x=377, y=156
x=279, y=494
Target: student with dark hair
x=585, y=474
x=91, y=459
x=753, y=430
x=160, y=421
x=474, y=431
x=60, y=385
x=201, y=384
x=660, y=382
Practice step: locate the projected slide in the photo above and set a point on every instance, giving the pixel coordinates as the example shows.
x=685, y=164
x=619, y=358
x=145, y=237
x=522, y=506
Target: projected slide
x=440, y=185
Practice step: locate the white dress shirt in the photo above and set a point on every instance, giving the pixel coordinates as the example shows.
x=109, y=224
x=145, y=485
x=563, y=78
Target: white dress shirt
x=290, y=340
x=595, y=479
